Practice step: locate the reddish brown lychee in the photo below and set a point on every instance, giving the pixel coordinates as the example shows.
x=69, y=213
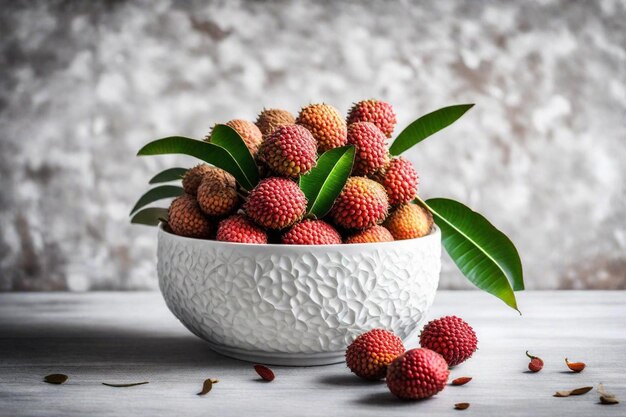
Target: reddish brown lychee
x=312, y=232
x=451, y=337
x=362, y=203
x=374, y=111
x=238, y=228
x=186, y=219
x=276, y=203
x=409, y=221
x=193, y=178
x=326, y=125
x=217, y=193
x=370, y=146
x=417, y=374
x=270, y=119
x=249, y=132
x=290, y=151
x=370, y=235
x=399, y=179
x=370, y=353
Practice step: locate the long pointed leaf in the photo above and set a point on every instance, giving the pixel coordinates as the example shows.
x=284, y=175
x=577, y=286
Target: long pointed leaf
x=324, y=182
x=150, y=217
x=171, y=174
x=426, y=125
x=485, y=255
x=156, y=194
x=208, y=152
x=228, y=138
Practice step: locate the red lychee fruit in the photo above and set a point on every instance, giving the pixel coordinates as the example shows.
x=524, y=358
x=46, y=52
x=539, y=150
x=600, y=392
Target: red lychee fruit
x=370, y=146
x=276, y=203
x=186, y=219
x=217, y=193
x=326, y=125
x=361, y=204
x=399, y=179
x=249, y=132
x=370, y=353
x=290, y=151
x=270, y=119
x=409, y=221
x=451, y=337
x=312, y=232
x=417, y=374
x=193, y=177
x=374, y=111
x=370, y=235
x=238, y=228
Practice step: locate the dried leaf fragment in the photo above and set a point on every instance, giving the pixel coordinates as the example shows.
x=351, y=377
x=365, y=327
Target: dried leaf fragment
x=206, y=386
x=461, y=380
x=134, y=384
x=606, y=397
x=575, y=366
x=461, y=406
x=264, y=372
x=56, y=379
x=577, y=391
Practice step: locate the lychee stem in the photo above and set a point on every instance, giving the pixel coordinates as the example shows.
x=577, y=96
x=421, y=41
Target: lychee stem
x=531, y=356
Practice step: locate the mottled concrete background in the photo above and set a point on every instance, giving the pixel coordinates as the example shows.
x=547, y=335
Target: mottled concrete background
x=84, y=84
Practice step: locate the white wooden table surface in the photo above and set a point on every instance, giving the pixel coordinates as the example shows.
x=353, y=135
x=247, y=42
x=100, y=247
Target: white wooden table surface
x=132, y=337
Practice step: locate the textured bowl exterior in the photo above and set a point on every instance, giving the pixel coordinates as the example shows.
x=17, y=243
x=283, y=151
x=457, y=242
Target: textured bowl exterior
x=296, y=305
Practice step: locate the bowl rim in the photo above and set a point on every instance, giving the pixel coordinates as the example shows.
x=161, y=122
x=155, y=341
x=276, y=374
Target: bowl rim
x=435, y=233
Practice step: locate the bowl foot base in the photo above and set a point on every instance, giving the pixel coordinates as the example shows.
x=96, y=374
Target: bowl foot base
x=280, y=358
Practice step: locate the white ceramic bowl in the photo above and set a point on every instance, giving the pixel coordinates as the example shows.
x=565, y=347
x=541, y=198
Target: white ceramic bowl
x=296, y=305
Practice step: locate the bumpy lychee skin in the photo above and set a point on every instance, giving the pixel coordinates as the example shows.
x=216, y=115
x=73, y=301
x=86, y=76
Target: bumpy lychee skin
x=370, y=235
x=238, y=228
x=371, y=148
x=409, y=221
x=417, y=374
x=370, y=353
x=399, y=179
x=451, y=337
x=312, y=232
x=217, y=193
x=276, y=203
x=270, y=119
x=361, y=204
x=193, y=178
x=326, y=124
x=249, y=132
x=374, y=111
x=290, y=151
x=186, y=219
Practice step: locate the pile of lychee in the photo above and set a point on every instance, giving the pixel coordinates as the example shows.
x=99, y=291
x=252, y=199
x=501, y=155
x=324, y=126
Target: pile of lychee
x=417, y=373
x=375, y=204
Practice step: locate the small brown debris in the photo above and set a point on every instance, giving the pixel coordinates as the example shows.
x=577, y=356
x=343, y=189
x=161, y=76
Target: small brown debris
x=577, y=391
x=56, y=379
x=264, y=372
x=575, y=366
x=606, y=397
x=461, y=380
x=461, y=406
x=206, y=386
x=133, y=384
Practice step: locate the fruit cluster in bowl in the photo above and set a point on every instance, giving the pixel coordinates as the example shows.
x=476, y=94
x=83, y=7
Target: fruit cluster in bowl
x=379, y=190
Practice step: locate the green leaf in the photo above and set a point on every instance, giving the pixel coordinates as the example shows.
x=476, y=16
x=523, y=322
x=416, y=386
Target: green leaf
x=426, y=126
x=324, y=182
x=485, y=255
x=229, y=139
x=172, y=174
x=157, y=193
x=208, y=152
x=151, y=216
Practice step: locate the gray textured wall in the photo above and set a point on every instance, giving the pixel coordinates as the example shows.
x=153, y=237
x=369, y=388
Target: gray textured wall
x=84, y=84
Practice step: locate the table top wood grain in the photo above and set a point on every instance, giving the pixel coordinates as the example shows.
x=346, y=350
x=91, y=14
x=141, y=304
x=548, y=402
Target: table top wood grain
x=132, y=337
